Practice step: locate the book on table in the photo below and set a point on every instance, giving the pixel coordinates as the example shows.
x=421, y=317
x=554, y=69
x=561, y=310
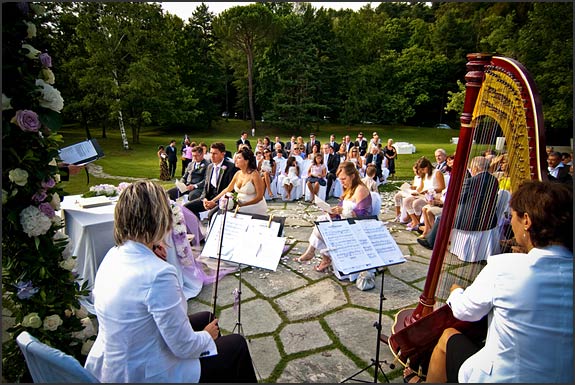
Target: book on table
x=96, y=201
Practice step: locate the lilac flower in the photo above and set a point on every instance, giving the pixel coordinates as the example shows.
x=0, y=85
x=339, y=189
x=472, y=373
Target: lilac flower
x=25, y=289
x=46, y=60
x=27, y=120
x=40, y=196
x=48, y=184
x=47, y=209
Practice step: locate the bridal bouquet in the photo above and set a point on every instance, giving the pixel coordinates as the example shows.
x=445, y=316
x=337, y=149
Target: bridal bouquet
x=230, y=200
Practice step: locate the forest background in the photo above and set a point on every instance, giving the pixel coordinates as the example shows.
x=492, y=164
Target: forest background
x=294, y=66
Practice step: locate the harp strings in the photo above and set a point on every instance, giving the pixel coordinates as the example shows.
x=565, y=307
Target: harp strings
x=499, y=113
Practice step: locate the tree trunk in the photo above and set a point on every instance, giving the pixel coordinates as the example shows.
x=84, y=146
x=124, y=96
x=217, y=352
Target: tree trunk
x=120, y=118
x=104, y=128
x=250, y=57
x=85, y=124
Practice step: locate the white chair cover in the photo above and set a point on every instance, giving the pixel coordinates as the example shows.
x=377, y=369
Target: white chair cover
x=47, y=364
x=375, y=203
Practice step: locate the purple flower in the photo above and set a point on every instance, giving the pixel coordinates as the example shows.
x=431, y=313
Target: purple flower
x=28, y=120
x=47, y=209
x=46, y=60
x=25, y=289
x=40, y=196
x=48, y=184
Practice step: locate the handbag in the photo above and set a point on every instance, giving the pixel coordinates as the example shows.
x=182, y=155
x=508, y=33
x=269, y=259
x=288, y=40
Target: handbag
x=365, y=280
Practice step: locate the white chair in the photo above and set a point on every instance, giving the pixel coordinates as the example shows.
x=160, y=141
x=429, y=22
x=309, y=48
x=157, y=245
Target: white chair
x=475, y=246
x=336, y=188
x=50, y=365
x=375, y=203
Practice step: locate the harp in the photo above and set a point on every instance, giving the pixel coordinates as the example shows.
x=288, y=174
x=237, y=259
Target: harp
x=502, y=111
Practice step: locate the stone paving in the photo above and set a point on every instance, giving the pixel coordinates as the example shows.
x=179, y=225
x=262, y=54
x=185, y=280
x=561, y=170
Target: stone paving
x=306, y=326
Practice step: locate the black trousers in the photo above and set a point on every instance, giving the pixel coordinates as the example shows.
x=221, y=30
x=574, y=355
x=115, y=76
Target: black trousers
x=232, y=364
x=172, y=167
x=331, y=177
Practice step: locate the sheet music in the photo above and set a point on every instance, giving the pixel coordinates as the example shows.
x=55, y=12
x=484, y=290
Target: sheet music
x=181, y=186
x=359, y=246
x=247, y=240
x=79, y=153
x=321, y=204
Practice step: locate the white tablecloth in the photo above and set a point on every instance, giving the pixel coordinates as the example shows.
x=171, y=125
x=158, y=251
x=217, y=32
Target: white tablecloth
x=91, y=232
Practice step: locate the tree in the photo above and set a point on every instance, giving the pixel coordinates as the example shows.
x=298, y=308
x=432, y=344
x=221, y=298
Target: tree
x=244, y=28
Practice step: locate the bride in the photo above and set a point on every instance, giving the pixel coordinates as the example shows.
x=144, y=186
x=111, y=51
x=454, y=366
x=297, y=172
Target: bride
x=248, y=184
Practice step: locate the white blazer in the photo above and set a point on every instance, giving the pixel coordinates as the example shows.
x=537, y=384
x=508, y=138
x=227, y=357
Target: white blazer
x=144, y=332
x=529, y=299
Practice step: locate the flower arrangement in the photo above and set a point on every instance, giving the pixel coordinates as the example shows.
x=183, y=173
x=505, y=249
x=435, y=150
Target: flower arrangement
x=39, y=288
x=229, y=201
x=101, y=189
x=180, y=236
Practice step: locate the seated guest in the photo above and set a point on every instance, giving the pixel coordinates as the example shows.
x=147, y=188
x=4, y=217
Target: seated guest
x=145, y=334
x=557, y=172
x=331, y=162
x=477, y=203
x=440, y=160
x=432, y=182
x=247, y=183
x=219, y=173
x=194, y=177
x=355, y=202
x=353, y=156
x=316, y=174
x=369, y=180
x=401, y=195
x=291, y=178
x=375, y=157
x=528, y=298
x=267, y=169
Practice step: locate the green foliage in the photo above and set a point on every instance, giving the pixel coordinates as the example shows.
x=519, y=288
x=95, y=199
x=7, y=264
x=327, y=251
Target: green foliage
x=39, y=290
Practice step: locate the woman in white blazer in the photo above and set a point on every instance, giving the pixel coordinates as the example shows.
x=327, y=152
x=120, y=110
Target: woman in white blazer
x=144, y=333
x=527, y=295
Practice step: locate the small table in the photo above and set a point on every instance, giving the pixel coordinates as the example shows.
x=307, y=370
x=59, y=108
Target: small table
x=91, y=232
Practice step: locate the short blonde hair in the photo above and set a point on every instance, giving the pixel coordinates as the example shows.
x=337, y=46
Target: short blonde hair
x=142, y=214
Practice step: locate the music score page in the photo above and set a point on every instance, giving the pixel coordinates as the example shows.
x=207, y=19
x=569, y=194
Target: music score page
x=357, y=245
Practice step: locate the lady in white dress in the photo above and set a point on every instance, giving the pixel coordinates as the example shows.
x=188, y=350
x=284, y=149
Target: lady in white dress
x=292, y=178
x=353, y=157
x=267, y=169
x=248, y=184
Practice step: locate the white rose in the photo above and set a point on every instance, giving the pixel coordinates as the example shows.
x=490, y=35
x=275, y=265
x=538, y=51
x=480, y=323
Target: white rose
x=34, y=222
x=57, y=178
x=53, y=162
x=56, y=220
x=49, y=96
x=55, y=202
x=32, y=53
x=31, y=30
x=6, y=102
x=81, y=312
x=68, y=264
x=18, y=176
x=52, y=322
x=87, y=346
x=48, y=75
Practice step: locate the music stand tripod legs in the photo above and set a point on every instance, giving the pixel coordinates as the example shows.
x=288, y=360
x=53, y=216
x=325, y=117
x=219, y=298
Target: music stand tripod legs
x=239, y=299
x=376, y=363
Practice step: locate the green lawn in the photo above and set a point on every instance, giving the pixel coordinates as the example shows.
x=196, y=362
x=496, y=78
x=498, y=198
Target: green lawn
x=141, y=160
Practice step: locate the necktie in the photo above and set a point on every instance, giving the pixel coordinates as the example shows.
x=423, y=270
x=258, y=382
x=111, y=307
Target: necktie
x=214, y=180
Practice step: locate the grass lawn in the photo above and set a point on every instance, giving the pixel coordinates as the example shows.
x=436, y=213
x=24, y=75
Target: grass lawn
x=141, y=160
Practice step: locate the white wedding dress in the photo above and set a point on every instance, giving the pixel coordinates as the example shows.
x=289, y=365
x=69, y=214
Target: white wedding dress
x=245, y=194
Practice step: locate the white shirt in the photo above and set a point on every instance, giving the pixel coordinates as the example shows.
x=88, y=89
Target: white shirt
x=529, y=299
x=144, y=332
x=554, y=171
x=215, y=171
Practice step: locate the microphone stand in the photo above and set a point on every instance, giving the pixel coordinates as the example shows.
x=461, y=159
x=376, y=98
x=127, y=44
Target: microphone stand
x=221, y=241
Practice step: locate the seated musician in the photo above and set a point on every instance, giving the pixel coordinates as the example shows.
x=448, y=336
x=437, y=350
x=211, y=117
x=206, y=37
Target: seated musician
x=528, y=298
x=145, y=333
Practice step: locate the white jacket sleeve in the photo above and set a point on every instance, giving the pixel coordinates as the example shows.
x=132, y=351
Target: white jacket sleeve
x=164, y=301
x=476, y=300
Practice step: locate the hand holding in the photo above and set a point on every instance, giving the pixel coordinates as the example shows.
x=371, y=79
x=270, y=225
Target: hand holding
x=213, y=329
x=160, y=251
x=454, y=286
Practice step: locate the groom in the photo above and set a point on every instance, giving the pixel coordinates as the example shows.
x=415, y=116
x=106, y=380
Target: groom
x=219, y=174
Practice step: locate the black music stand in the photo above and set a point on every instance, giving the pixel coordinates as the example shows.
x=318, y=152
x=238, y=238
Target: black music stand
x=376, y=363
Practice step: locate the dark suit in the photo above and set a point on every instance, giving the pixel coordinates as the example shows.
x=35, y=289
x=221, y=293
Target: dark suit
x=281, y=144
x=477, y=203
x=209, y=192
x=288, y=146
x=239, y=141
x=193, y=176
x=335, y=146
x=378, y=161
x=563, y=176
x=309, y=145
x=362, y=146
x=348, y=146
x=332, y=165
x=172, y=153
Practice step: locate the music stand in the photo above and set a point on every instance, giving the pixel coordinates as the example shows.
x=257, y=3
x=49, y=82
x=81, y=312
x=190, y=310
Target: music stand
x=374, y=362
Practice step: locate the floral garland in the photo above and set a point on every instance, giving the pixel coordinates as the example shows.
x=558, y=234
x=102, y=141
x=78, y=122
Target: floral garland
x=180, y=236
x=39, y=289
x=101, y=189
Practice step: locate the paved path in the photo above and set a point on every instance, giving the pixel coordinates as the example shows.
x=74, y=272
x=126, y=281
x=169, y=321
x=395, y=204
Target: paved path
x=305, y=326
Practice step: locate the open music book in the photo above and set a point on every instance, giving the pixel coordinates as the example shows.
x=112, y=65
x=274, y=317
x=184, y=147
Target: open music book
x=358, y=244
x=82, y=152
